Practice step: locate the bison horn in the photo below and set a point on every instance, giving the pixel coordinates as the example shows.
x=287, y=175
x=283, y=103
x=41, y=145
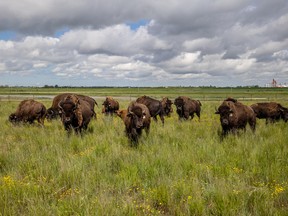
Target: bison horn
x=130, y=113
x=60, y=104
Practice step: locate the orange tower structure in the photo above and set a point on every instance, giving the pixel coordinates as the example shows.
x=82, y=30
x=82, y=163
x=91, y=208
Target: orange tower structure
x=274, y=83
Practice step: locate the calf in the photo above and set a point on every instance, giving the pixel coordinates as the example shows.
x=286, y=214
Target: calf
x=122, y=113
x=137, y=118
x=28, y=111
x=270, y=111
x=235, y=115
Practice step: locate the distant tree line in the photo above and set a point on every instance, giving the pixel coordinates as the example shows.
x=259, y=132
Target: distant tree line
x=57, y=86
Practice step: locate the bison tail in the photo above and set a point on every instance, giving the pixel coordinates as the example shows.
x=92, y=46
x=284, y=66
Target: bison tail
x=96, y=103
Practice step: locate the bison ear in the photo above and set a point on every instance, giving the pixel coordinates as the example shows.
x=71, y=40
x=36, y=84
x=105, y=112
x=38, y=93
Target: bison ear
x=76, y=104
x=75, y=107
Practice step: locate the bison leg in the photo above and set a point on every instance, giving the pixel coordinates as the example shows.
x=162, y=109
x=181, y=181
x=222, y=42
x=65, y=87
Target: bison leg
x=192, y=115
x=186, y=115
x=252, y=124
x=30, y=120
x=139, y=132
x=147, y=130
x=270, y=120
x=155, y=118
x=162, y=119
x=223, y=134
x=78, y=130
x=235, y=131
x=41, y=121
x=198, y=114
x=133, y=137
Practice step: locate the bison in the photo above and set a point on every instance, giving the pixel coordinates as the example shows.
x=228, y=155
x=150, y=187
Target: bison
x=76, y=113
x=270, y=111
x=110, y=106
x=154, y=106
x=137, y=118
x=235, y=115
x=53, y=111
x=186, y=107
x=28, y=111
x=167, y=106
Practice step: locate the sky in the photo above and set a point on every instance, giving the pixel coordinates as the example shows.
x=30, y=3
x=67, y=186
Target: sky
x=143, y=43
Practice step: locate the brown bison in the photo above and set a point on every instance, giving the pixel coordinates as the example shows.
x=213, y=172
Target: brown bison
x=53, y=111
x=154, y=106
x=270, y=111
x=235, y=115
x=137, y=118
x=186, y=107
x=167, y=106
x=110, y=106
x=28, y=111
x=75, y=112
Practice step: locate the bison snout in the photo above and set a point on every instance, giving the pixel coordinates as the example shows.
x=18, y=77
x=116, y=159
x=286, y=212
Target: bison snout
x=67, y=120
x=225, y=122
x=139, y=125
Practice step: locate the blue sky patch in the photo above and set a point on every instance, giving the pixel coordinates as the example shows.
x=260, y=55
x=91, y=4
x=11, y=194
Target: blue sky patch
x=137, y=24
x=7, y=35
x=61, y=32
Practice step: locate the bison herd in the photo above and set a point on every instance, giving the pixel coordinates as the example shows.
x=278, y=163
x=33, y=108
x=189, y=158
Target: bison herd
x=76, y=112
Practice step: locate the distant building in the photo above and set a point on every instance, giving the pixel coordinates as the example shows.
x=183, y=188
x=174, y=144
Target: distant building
x=274, y=84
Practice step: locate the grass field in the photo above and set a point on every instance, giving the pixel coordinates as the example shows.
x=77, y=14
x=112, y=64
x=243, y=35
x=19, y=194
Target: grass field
x=179, y=169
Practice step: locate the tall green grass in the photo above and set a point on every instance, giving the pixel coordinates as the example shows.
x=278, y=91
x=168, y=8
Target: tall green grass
x=180, y=169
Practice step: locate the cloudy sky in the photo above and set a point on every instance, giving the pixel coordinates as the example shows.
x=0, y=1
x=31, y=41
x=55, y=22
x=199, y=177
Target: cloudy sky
x=143, y=43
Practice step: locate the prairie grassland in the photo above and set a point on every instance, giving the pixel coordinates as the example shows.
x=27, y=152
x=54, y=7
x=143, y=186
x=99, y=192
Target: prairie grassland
x=179, y=169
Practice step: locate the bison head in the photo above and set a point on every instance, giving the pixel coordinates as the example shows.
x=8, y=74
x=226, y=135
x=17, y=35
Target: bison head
x=167, y=106
x=51, y=113
x=107, y=105
x=67, y=110
x=226, y=113
x=179, y=103
x=13, y=118
x=137, y=116
x=284, y=113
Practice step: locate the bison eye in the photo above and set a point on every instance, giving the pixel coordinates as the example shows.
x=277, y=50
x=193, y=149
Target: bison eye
x=231, y=114
x=144, y=116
